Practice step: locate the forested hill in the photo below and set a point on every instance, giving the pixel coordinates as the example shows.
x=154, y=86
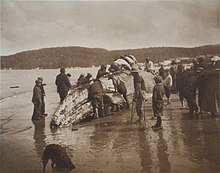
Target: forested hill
x=48, y=58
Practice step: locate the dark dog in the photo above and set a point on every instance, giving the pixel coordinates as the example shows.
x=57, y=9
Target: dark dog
x=60, y=160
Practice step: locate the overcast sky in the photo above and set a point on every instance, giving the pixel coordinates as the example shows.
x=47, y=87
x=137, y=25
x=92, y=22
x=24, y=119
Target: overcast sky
x=110, y=25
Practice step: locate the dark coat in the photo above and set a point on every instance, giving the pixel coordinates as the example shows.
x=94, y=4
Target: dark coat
x=37, y=95
x=157, y=99
x=37, y=100
x=180, y=80
x=63, y=83
x=139, y=83
x=81, y=81
x=158, y=93
x=95, y=89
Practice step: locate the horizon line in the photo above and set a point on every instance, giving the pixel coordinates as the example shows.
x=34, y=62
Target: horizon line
x=109, y=49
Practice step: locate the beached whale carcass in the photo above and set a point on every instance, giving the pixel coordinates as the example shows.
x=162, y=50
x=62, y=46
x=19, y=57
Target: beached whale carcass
x=77, y=107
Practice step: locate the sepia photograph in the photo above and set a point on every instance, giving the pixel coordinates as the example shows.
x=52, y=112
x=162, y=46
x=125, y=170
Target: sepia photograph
x=128, y=86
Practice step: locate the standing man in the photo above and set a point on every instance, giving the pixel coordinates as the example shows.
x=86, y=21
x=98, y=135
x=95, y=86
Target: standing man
x=37, y=100
x=157, y=101
x=148, y=65
x=138, y=97
x=173, y=72
x=167, y=82
x=180, y=83
x=161, y=71
x=63, y=84
x=43, y=95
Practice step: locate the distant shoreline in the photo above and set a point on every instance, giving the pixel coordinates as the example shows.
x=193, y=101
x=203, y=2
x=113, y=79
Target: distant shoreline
x=53, y=58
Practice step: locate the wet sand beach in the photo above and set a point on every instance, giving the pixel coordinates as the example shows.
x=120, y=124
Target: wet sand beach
x=110, y=144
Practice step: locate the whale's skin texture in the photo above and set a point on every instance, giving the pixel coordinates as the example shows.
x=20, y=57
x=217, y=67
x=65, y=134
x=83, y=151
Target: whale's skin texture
x=77, y=107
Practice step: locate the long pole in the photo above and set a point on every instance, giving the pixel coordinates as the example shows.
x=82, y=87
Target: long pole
x=144, y=110
x=132, y=110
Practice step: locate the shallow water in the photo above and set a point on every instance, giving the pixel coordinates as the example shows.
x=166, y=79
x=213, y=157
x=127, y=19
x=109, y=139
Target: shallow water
x=109, y=144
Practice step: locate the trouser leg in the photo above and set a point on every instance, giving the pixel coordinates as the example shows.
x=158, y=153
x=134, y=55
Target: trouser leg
x=126, y=99
x=43, y=107
x=37, y=111
x=138, y=107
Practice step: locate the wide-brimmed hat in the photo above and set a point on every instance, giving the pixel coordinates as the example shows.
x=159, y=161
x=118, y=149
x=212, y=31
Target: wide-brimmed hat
x=40, y=78
x=38, y=81
x=215, y=58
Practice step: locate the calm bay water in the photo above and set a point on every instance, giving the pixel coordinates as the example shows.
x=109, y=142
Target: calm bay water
x=25, y=79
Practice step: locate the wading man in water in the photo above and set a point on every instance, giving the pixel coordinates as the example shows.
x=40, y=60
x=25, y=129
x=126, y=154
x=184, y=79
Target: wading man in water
x=37, y=100
x=63, y=84
x=43, y=95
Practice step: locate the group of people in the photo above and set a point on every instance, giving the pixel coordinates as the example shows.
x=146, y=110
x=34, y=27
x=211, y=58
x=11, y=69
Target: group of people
x=198, y=85
x=63, y=86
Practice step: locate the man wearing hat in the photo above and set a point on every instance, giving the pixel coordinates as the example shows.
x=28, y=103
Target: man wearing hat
x=101, y=72
x=43, y=95
x=88, y=78
x=138, y=97
x=37, y=100
x=81, y=80
x=148, y=65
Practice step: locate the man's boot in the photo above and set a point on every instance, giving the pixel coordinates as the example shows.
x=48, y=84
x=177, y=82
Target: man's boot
x=158, y=126
x=139, y=119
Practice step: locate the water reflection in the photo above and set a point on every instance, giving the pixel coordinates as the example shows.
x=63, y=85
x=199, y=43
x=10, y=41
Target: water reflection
x=39, y=136
x=145, y=150
x=101, y=137
x=162, y=153
x=201, y=141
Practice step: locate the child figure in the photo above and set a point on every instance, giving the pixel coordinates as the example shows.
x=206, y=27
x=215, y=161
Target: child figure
x=157, y=101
